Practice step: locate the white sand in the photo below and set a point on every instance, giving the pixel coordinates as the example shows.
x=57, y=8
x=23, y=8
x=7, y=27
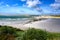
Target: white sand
x=15, y=24
x=52, y=25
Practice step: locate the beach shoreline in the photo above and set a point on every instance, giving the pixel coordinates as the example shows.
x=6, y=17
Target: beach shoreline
x=51, y=25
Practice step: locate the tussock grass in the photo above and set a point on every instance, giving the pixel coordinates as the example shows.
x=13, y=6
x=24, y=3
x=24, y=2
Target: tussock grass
x=30, y=34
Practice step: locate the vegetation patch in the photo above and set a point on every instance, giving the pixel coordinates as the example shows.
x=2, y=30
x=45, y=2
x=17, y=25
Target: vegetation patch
x=9, y=33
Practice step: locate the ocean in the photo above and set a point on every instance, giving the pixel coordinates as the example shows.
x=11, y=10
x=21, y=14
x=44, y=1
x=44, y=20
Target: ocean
x=50, y=24
x=13, y=20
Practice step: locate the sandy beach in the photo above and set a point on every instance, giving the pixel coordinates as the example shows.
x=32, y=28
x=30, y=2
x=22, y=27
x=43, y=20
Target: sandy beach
x=51, y=25
x=14, y=24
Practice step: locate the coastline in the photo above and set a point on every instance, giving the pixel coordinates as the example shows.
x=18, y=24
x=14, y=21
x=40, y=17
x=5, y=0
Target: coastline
x=51, y=25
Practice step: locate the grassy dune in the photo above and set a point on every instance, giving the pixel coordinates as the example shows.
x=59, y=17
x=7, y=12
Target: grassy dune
x=30, y=34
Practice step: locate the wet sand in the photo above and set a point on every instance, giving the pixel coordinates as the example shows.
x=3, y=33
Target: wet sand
x=50, y=24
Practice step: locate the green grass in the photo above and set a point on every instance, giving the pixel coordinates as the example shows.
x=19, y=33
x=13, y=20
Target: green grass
x=53, y=36
x=32, y=34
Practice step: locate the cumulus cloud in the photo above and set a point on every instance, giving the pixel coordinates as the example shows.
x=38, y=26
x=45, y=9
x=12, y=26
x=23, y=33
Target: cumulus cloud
x=56, y=5
x=32, y=3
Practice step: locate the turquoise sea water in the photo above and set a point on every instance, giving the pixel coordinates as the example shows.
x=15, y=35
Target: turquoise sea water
x=13, y=18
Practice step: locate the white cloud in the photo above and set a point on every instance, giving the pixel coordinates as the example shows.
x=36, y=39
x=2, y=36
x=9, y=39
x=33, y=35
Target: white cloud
x=39, y=9
x=7, y=5
x=32, y=3
x=23, y=0
x=56, y=5
x=57, y=0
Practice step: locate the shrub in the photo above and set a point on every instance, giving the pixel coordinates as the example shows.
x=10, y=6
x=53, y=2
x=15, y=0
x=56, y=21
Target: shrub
x=7, y=33
x=34, y=34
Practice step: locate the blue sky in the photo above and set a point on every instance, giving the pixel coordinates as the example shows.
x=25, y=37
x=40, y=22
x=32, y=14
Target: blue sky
x=40, y=7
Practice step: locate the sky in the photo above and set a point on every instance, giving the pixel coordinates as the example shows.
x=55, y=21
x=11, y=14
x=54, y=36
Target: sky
x=32, y=7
